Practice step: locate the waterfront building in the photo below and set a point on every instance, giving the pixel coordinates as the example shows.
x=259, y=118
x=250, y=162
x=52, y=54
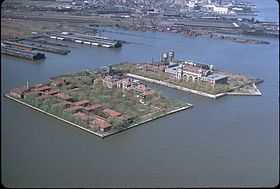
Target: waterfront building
x=58, y=82
x=42, y=88
x=52, y=92
x=102, y=124
x=93, y=107
x=190, y=71
x=63, y=96
x=112, y=113
x=216, y=79
x=18, y=92
x=155, y=67
x=111, y=81
x=74, y=109
x=81, y=103
x=83, y=116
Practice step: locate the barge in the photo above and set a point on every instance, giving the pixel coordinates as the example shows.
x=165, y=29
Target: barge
x=26, y=54
x=34, y=46
x=87, y=39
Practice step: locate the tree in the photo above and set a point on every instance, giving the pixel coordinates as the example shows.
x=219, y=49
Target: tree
x=116, y=122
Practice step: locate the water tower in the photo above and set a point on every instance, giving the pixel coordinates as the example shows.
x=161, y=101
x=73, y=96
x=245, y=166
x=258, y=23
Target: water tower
x=171, y=55
x=164, y=57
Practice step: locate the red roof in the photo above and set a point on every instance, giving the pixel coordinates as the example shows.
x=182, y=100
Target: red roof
x=82, y=116
x=194, y=69
x=59, y=81
x=80, y=103
x=43, y=88
x=63, y=96
x=18, y=90
x=101, y=123
x=93, y=107
x=148, y=92
x=74, y=108
x=141, y=87
x=112, y=113
x=52, y=92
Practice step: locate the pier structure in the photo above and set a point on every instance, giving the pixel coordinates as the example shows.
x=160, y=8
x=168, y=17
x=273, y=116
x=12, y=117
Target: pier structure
x=21, y=53
x=87, y=39
x=33, y=46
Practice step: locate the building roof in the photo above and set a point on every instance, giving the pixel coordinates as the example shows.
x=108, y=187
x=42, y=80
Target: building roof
x=58, y=81
x=63, y=96
x=37, y=85
x=112, y=113
x=80, y=103
x=148, y=92
x=101, y=123
x=140, y=87
x=19, y=90
x=82, y=116
x=93, y=107
x=33, y=92
x=52, y=92
x=194, y=69
x=42, y=88
x=73, y=108
x=215, y=77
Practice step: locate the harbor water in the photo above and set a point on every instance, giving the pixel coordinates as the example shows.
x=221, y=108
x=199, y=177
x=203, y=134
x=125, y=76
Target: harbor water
x=230, y=141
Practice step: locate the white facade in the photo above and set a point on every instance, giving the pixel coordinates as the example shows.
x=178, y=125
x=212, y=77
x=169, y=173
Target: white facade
x=220, y=10
x=217, y=9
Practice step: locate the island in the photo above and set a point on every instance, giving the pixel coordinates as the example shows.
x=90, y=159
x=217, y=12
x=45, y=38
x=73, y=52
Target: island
x=192, y=77
x=101, y=101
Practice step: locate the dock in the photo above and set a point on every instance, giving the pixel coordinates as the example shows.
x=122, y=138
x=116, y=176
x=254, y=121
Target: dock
x=87, y=40
x=20, y=53
x=35, y=46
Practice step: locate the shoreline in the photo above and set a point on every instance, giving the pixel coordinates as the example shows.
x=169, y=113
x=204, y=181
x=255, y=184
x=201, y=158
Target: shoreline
x=152, y=119
x=96, y=133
